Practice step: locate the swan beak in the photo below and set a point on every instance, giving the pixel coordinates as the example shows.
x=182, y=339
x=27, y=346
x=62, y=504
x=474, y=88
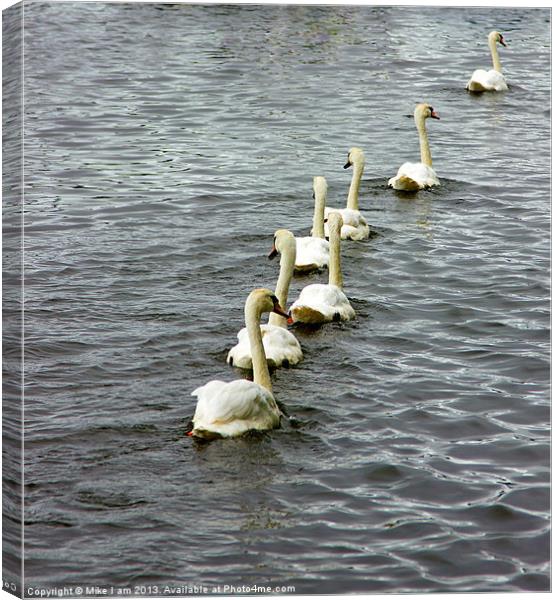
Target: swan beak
x=502, y=42
x=277, y=308
x=273, y=253
x=434, y=115
x=347, y=165
x=290, y=320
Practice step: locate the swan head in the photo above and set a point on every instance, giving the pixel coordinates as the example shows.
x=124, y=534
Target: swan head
x=282, y=241
x=496, y=37
x=355, y=156
x=319, y=187
x=265, y=301
x=334, y=222
x=425, y=111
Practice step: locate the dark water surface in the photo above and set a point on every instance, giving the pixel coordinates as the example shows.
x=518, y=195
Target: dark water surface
x=164, y=145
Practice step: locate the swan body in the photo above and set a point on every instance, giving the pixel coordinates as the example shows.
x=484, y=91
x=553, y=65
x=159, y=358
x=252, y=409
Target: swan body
x=321, y=303
x=354, y=226
x=412, y=177
x=280, y=345
x=228, y=409
x=312, y=252
x=492, y=80
x=281, y=348
x=487, y=81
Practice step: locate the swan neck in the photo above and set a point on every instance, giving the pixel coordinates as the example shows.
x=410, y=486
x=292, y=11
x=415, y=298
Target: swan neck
x=425, y=152
x=318, y=230
x=259, y=361
x=495, y=55
x=335, y=272
x=354, y=191
x=287, y=261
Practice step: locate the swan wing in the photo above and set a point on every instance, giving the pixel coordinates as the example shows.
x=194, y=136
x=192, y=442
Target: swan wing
x=412, y=177
x=487, y=81
x=232, y=408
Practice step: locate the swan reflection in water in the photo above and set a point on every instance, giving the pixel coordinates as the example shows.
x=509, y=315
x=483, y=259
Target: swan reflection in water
x=240, y=473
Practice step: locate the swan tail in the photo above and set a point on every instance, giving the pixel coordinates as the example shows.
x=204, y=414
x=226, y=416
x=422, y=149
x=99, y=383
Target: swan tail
x=475, y=86
x=407, y=184
x=306, y=268
x=306, y=314
x=205, y=434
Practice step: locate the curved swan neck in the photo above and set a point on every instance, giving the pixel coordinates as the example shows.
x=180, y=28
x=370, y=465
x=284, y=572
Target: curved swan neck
x=335, y=272
x=492, y=40
x=425, y=152
x=318, y=229
x=353, y=192
x=261, y=374
x=287, y=261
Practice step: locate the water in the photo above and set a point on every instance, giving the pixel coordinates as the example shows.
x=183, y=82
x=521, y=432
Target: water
x=164, y=144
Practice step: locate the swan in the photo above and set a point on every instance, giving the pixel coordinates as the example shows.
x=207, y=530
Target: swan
x=492, y=80
x=281, y=346
x=354, y=225
x=312, y=252
x=412, y=177
x=320, y=303
x=228, y=409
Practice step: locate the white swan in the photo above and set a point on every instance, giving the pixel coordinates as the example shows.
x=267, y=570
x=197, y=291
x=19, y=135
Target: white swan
x=412, y=177
x=281, y=346
x=354, y=225
x=312, y=252
x=320, y=303
x=228, y=409
x=492, y=80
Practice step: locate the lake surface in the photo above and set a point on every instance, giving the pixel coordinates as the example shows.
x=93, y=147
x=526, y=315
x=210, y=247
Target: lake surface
x=164, y=145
